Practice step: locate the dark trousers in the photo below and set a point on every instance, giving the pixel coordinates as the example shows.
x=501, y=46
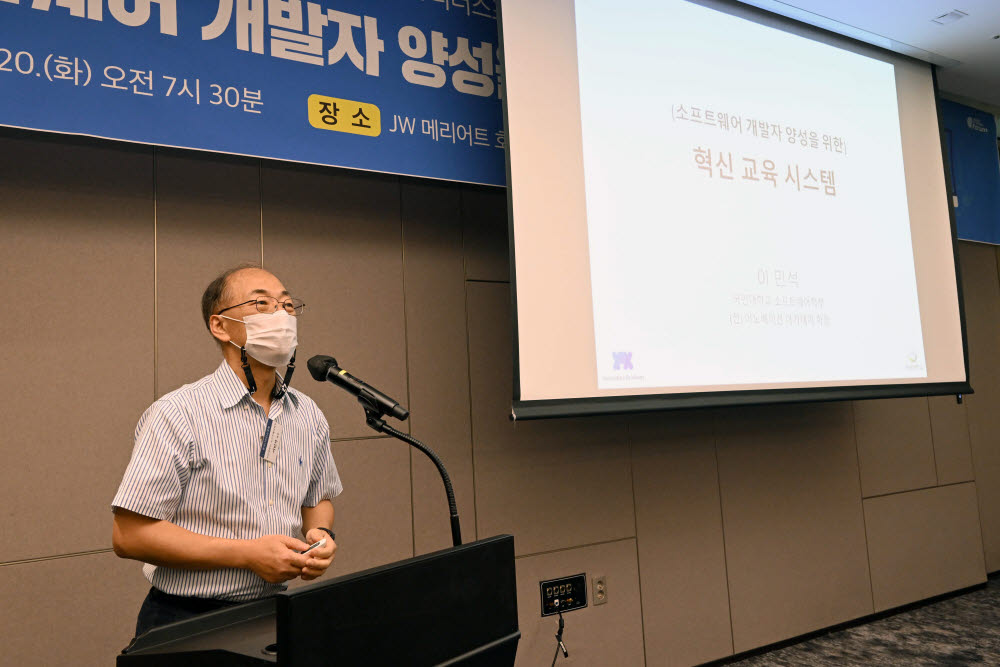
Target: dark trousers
x=160, y=608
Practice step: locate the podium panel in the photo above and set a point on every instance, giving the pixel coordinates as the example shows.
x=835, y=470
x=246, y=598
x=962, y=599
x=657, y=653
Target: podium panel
x=452, y=607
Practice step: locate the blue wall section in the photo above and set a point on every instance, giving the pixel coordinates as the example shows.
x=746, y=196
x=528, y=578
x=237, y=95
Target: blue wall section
x=971, y=142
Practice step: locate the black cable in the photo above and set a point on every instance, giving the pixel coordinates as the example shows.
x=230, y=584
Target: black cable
x=559, y=641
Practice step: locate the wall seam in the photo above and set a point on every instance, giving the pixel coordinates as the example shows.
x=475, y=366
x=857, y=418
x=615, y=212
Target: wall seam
x=574, y=547
x=979, y=510
x=260, y=206
x=722, y=521
x=930, y=421
x=406, y=364
x=968, y=432
x=468, y=360
x=922, y=488
x=42, y=559
x=156, y=282
x=362, y=437
x=635, y=531
x=864, y=519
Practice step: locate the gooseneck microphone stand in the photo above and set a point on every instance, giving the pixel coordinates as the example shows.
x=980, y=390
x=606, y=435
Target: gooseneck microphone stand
x=373, y=417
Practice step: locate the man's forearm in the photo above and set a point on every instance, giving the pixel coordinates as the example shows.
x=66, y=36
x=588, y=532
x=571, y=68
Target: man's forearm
x=320, y=516
x=164, y=543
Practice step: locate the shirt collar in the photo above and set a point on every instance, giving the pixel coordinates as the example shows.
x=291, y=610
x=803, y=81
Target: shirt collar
x=232, y=390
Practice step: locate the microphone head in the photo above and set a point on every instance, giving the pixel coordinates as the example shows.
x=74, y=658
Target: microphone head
x=319, y=365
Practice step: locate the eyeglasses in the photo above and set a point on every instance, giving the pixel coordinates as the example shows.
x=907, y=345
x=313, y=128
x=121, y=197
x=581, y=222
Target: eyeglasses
x=268, y=304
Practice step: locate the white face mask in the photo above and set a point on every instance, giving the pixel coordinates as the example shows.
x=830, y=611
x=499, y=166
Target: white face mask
x=271, y=337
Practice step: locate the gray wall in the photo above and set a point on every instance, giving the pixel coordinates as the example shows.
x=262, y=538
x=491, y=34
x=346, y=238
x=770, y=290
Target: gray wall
x=718, y=530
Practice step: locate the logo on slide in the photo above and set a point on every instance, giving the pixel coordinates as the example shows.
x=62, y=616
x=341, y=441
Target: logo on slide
x=623, y=361
x=975, y=124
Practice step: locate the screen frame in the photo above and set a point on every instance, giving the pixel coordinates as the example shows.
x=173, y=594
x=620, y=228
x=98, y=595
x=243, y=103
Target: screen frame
x=605, y=405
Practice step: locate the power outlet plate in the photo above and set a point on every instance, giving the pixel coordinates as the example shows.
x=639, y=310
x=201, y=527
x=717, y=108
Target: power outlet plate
x=600, y=590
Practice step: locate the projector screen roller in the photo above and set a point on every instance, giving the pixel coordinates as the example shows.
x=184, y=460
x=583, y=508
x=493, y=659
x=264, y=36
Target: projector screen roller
x=713, y=205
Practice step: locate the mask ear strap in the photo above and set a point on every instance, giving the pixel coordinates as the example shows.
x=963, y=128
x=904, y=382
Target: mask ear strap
x=289, y=372
x=287, y=380
x=251, y=384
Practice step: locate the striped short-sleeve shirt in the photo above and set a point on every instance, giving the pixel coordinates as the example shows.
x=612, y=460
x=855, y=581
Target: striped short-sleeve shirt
x=198, y=463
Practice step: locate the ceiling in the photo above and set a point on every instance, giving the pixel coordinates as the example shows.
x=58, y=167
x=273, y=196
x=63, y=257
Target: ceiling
x=965, y=50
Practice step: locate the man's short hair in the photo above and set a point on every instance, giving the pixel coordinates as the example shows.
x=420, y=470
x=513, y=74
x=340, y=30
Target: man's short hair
x=217, y=291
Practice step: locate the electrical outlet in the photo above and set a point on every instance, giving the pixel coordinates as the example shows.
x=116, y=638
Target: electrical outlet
x=600, y=590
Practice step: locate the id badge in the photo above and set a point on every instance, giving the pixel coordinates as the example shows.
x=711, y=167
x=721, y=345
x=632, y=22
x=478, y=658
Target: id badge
x=271, y=444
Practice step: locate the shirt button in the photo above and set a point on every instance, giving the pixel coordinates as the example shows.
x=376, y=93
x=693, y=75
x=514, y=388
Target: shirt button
x=269, y=464
x=271, y=502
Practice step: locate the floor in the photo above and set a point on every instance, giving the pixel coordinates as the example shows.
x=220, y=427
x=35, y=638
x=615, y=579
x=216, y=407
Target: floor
x=963, y=630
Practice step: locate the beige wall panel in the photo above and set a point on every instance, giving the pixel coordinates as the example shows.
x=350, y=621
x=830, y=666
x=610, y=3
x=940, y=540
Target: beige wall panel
x=372, y=517
x=551, y=483
x=981, y=291
x=334, y=238
x=682, y=560
x=923, y=543
x=791, y=507
x=438, y=359
x=484, y=219
x=76, y=221
x=207, y=219
x=69, y=611
x=952, y=452
x=597, y=635
x=895, y=449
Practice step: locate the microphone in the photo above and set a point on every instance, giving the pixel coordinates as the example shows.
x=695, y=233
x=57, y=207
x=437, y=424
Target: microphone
x=377, y=404
x=324, y=368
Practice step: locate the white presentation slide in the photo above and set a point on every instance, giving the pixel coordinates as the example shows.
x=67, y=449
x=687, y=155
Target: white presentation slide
x=746, y=203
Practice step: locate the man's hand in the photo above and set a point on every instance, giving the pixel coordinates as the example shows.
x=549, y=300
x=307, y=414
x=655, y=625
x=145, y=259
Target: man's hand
x=320, y=557
x=274, y=558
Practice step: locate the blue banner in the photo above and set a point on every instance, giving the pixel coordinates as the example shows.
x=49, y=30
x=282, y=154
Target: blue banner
x=402, y=86
x=971, y=138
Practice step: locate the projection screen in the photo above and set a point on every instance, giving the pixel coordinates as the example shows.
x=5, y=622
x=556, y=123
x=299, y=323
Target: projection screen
x=710, y=205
